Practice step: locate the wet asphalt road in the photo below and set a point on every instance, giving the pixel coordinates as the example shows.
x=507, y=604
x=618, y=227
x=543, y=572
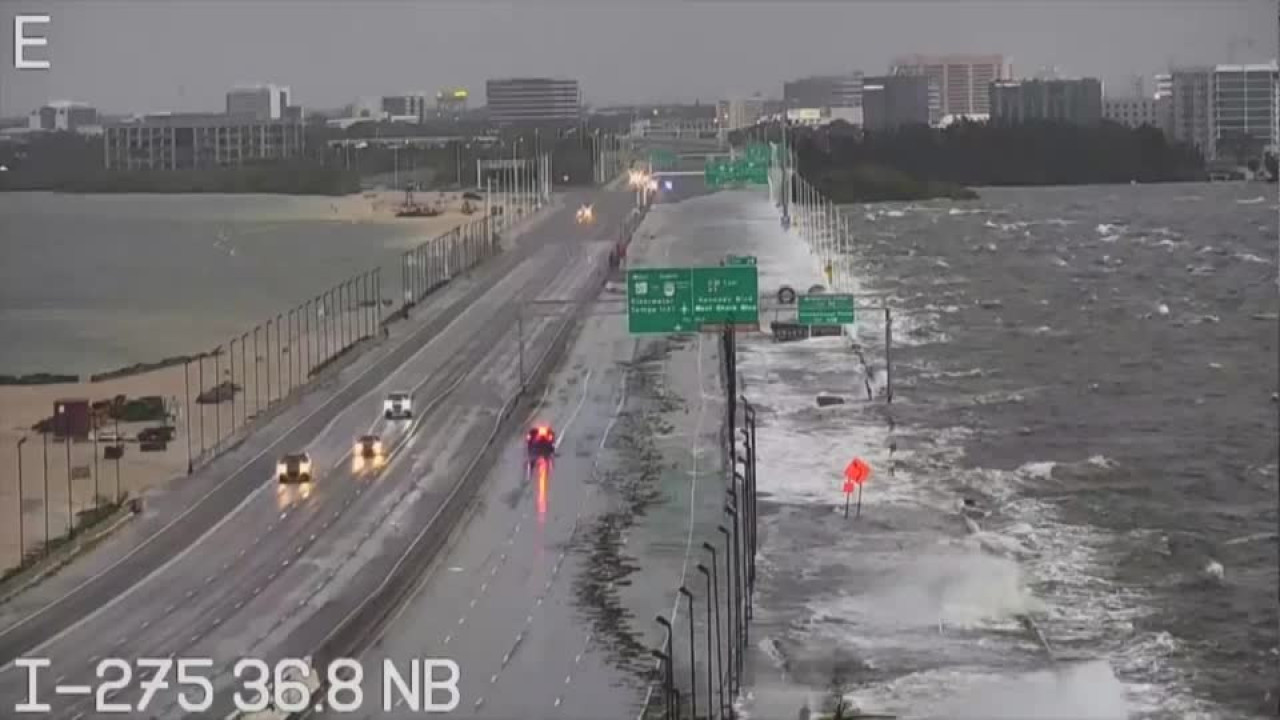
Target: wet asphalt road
x=501, y=602
x=286, y=563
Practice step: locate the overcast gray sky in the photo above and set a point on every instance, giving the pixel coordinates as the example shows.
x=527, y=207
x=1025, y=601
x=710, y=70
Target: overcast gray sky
x=148, y=55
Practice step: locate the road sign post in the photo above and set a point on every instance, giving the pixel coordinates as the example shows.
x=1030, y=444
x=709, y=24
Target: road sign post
x=855, y=473
x=677, y=300
x=825, y=310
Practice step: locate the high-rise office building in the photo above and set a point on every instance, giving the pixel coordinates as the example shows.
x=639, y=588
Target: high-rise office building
x=65, y=115
x=739, y=112
x=199, y=140
x=259, y=102
x=823, y=92
x=1078, y=102
x=962, y=80
x=410, y=106
x=1244, y=100
x=892, y=101
x=1137, y=110
x=533, y=101
x=452, y=101
x=1192, y=94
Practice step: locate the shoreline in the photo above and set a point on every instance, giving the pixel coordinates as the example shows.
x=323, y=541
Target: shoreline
x=368, y=208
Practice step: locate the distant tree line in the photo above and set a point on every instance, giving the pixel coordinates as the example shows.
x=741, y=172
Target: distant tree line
x=70, y=162
x=973, y=153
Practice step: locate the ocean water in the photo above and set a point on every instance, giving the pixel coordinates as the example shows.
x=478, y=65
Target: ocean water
x=91, y=283
x=1096, y=367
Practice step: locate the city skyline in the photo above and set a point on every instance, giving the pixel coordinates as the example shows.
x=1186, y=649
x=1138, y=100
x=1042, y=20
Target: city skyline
x=129, y=56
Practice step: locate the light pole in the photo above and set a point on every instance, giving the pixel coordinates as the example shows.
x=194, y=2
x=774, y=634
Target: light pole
x=670, y=673
x=730, y=604
x=739, y=608
x=231, y=362
x=45, y=435
x=200, y=377
x=665, y=665
x=120, y=448
x=257, y=360
x=707, y=574
x=747, y=521
x=244, y=377
x=217, y=398
x=279, y=358
x=71, y=515
x=693, y=658
x=22, y=550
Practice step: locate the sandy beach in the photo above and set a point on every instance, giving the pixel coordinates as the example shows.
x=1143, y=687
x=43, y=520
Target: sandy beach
x=378, y=206
x=280, y=367
x=21, y=407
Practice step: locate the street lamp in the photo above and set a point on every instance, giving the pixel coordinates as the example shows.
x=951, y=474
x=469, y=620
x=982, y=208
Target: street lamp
x=669, y=675
x=740, y=608
x=22, y=552
x=710, y=598
x=730, y=589
x=664, y=663
x=693, y=658
x=44, y=434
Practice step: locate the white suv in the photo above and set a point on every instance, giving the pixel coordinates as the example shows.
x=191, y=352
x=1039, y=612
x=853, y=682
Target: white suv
x=397, y=405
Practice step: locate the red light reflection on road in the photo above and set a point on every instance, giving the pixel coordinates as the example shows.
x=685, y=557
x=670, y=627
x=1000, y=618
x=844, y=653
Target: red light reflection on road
x=542, y=490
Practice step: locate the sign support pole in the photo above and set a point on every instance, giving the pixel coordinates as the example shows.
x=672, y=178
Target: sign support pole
x=859, y=512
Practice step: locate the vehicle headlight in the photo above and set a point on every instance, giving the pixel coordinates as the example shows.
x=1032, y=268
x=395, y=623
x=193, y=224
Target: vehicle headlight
x=305, y=467
x=281, y=469
x=377, y=447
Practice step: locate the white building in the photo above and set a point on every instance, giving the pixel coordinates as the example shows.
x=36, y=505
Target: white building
x=739, y=112
x=260, y=102
x=65, y=115
x=1244, y=102
x=1137, y=111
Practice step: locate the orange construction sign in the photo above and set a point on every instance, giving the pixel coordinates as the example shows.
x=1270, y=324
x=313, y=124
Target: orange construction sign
x=856, y=473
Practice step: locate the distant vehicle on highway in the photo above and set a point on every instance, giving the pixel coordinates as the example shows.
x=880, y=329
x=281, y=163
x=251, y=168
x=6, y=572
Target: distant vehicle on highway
x=472, y=195
x=541, y=441
x=369, y=446
x=294, y=467
x=586, y=214
x=397, y=405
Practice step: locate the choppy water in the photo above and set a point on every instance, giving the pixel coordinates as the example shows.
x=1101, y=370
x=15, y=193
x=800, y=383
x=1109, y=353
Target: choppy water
x=1112, y=356
x=91, y=283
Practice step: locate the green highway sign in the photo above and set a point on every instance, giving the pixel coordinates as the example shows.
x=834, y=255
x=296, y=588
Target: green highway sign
x=662, y=159
x=659, y=301
x=727, y=295
x=674, y=300
x=825, y=309
x=740, y=260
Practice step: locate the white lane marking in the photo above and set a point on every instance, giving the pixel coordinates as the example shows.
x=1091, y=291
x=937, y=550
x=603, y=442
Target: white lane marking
x=559, y=700
x=522, y=267
x=582, y=399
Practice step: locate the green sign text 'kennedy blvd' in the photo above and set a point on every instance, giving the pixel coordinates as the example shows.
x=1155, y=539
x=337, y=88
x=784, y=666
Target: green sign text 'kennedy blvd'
x=674, y=300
